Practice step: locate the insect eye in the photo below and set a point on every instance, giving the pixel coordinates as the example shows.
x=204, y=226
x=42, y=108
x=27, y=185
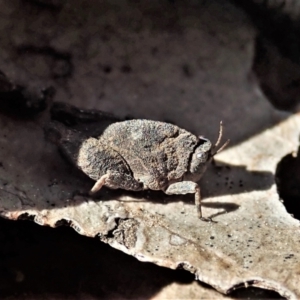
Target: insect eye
x=200, y=155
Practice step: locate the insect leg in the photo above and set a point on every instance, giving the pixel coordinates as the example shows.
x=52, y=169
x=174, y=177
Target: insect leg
x=188, y=187
x=117, y=180
x=99, y=184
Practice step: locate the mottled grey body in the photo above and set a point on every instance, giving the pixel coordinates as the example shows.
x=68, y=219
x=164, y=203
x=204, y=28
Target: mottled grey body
x=142, y=154
x=155, y=154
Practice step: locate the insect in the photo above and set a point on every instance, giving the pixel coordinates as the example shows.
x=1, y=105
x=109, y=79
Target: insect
x=142, y=154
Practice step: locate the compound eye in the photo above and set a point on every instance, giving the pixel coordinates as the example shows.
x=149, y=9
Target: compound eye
x=200, y=155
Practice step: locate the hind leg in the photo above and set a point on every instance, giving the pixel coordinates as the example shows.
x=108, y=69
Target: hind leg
x=116, y=180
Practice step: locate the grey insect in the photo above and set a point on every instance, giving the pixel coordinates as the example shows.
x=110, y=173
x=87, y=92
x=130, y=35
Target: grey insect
x=142, y=154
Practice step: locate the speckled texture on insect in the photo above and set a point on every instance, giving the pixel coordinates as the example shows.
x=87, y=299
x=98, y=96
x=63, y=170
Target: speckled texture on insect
x=142, y=154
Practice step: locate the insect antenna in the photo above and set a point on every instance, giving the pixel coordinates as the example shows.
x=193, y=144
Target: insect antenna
x=219, y=140
x=222, y=147
x=220, y=135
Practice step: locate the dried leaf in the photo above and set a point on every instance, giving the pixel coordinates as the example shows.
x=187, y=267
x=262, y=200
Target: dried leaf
x=254, y=241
